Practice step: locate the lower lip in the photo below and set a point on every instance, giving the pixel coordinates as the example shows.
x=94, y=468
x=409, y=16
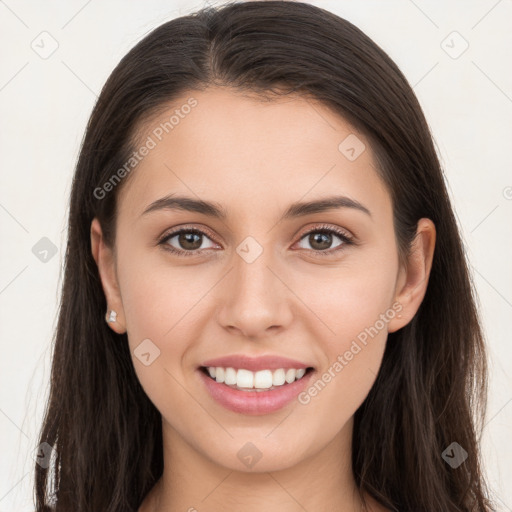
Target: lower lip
x=254, y=402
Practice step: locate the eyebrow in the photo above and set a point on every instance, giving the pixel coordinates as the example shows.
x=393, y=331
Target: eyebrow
x=215, y=210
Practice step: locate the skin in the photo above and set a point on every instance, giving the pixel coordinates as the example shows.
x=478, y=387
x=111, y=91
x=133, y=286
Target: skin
x=256, y=158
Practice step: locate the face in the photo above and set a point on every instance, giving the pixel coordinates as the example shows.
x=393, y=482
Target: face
x=254, y=275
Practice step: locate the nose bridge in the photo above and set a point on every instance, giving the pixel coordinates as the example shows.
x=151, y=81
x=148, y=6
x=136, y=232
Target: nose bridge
x=252, y=275
x=253, y=281
x=254, y=299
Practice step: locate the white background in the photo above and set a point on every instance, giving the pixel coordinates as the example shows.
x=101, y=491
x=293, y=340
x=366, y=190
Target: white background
x=44, y=107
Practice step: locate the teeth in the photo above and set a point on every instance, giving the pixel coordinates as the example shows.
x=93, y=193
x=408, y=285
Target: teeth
x=290, y=375
x=230, y=376
x=244, y=379
x=219, y=374
x=261, y=380
x=278, y=377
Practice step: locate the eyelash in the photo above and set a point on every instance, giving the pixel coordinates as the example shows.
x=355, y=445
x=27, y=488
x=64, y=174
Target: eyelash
x=347, y=240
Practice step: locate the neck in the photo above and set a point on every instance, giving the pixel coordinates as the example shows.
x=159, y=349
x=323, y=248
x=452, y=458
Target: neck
x=192, y=482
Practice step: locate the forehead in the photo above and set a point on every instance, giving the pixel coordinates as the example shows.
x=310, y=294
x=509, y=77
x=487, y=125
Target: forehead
x=246, y=151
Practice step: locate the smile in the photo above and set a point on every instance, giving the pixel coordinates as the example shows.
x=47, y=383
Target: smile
x=255, y=400
x=246, y=380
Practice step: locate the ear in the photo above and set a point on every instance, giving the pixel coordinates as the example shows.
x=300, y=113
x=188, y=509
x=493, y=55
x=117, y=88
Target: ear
x=413, y=281
x=105, y=260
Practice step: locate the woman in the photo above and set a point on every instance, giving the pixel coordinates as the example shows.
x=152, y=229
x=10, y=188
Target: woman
x=259, y=214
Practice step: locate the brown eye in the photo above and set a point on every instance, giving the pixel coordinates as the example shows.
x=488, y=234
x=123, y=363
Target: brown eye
x=325, y=240
x=190, y=241
x=186, y=242
x=320, y=241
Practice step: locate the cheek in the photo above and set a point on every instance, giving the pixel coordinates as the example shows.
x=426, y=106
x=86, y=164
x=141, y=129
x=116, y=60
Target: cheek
x=161, y=319
x=351, y=349
x=157, y=298
x=157, y=306
x=348, y=315
x=347, y=301
x=166, y=306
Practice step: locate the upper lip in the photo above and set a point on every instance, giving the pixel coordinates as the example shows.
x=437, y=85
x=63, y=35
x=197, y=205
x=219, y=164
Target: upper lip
x=268, y=362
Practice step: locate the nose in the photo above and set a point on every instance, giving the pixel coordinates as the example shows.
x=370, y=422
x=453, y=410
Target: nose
x=255, y=300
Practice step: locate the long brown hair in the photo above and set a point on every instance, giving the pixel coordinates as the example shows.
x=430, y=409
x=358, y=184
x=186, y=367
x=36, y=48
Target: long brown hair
x=431, y=387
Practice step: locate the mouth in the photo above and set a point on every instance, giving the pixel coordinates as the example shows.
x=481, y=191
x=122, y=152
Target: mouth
x=255, y=382
x=254, y=393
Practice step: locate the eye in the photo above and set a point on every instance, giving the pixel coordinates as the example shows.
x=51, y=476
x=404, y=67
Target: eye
x=320, y=240
x=190, y=241
x=186, y=241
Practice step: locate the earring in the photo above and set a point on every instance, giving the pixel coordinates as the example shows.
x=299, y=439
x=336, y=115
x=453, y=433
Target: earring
x=112, y=317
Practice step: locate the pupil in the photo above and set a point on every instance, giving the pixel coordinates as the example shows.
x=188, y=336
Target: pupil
x=321, y=240
x=186, y=240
